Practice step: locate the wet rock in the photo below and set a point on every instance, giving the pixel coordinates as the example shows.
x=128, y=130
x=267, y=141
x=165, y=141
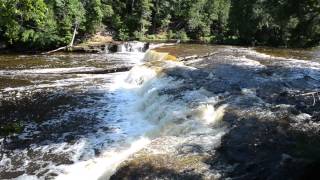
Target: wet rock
x=190, y=148
x=264, y=104
x=160, y=167
x=32, y=168
x=10, y=174
x=51, y=175
x=42, y=173
x=261, y=148
x=316, y=117
x=180, y=73
x=218, y=86
x=264, y=125
x=17, y=160
x=169, y=158
x=270, y=128
x=256, y=149
x=198, y=74
x=58, y=159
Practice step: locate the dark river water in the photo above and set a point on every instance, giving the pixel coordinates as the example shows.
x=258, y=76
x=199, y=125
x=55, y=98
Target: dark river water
x=65, y=121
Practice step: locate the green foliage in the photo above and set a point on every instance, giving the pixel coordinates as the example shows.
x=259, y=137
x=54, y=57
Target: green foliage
x=157, y=37
x=107, y=10
x=50, y=23
x=38, y=24
x=123, y=35
x=275, y=22
x=139, y=35
x=94, y=14
x=67, y=14
x=22, y=20
x=207, y=39
x=182, y=35
x=170, y=34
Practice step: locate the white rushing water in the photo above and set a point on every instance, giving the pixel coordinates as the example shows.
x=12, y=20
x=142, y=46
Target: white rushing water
x=138, y=106
x=116, y=109
x=140, y=114
x=144, y=115
x=124, y=89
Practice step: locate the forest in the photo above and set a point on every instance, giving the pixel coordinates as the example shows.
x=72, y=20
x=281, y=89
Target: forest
x=45, y=24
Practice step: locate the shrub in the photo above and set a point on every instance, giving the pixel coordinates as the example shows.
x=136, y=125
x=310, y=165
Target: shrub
x=182, y=35
x=171, y=34
x=123, y=35
x=139, y=35
x=207, y=39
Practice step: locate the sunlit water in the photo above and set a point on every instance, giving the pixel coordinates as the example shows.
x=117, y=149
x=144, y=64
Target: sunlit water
x=102, y=119
x=105, y=99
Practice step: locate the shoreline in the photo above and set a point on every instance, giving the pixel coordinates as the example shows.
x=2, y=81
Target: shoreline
x=100, y=47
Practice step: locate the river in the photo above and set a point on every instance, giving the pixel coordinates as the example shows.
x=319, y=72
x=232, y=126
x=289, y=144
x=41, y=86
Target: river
x=71, y=120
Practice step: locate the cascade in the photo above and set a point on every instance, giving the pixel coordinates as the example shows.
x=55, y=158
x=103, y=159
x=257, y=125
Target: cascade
x=133, y=46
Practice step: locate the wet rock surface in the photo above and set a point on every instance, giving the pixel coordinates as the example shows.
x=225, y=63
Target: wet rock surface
x=171, y=158
x=56, y=110
x=272, y=121
x=231, y=113
x=44, y=118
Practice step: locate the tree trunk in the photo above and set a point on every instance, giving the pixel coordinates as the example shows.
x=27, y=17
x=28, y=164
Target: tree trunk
x=74, y=34
x=71, y=43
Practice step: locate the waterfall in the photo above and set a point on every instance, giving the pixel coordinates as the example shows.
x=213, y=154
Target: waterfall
x=134, y=46
x=148, y=113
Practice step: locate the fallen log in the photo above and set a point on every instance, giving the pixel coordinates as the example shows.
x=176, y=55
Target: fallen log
x=56, y=50
x=95, y=71
x=69, y=45
x=314, y=95
x=103, y=71
x=310, y=93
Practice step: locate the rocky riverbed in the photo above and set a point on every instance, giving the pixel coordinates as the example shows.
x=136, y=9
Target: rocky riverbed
x=211, y=112
x=269, y=127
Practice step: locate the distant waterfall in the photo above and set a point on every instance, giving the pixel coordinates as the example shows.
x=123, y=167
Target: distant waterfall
x=134, y=46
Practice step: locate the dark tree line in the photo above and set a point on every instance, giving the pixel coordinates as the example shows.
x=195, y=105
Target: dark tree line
x=50, y=23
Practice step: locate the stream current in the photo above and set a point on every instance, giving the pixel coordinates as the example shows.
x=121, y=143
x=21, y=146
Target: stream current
x=79, y=124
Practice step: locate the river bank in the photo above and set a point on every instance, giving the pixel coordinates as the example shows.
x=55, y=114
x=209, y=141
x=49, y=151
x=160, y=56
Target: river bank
x=100, y=43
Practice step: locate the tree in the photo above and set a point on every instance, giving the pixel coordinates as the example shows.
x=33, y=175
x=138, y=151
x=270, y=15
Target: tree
x=303, y=22
x=140, y=13
x=50, y=23
x=23, y=20
x=276, y=22
x=68, y=14
x=93, y=15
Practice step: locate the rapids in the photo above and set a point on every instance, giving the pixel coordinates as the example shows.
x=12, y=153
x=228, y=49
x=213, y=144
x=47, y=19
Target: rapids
x=160, y=114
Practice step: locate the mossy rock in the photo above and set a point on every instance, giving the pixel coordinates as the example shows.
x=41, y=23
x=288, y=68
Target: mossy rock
x=171, y=58
x=163, y=166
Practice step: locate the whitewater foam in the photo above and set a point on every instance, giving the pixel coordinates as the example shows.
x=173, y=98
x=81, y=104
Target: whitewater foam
x=132, y=126
x=102, y=167
x=139, y=106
